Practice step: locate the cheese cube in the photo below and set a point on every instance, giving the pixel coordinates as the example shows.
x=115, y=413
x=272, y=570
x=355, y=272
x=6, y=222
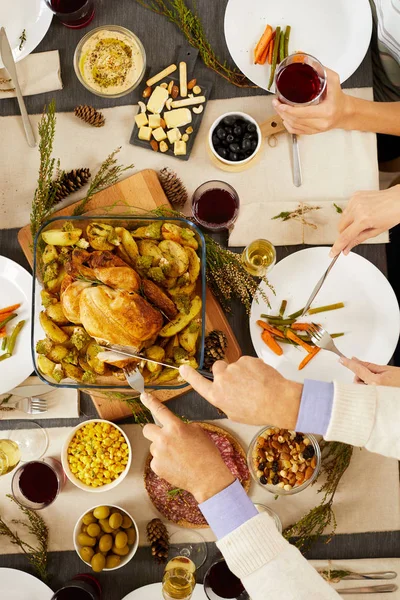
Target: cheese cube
x=180, y=148
x=154, y=121
x=174, y=135
x=177, y=117
x=159, y=134
x=145, y=133
x=141, y=119
x=157, y=100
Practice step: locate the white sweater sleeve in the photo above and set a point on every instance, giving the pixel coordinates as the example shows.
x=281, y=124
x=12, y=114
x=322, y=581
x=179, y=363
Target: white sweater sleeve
x=269, y=566
x=366, y=416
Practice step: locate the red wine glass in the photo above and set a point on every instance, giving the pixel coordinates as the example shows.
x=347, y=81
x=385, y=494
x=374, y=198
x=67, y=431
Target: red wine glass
x=300, y=80
x=215, y=205
x=81, y=587
x=73, y=13
x=36, y=484
x=219, y=582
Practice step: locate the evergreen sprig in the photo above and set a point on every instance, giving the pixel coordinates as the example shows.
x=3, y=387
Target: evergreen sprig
x=188, y=21
x=298, y=215
x=141, y=414
x=35, y=526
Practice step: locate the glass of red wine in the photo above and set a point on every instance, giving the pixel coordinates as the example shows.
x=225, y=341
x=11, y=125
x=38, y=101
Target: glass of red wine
x=219, y=582
x=300, y=80
x=81, y=587
x=215, y=205
x=73, y=13
x=36, y=484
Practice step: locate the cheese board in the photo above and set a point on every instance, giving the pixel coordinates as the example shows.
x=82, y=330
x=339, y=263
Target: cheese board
x=141, y=190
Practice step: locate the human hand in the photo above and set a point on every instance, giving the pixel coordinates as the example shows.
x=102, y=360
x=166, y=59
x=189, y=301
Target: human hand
x=183, y=454
x=372, y=374
x=249, y=391
x=367, y=215
x=331, y=113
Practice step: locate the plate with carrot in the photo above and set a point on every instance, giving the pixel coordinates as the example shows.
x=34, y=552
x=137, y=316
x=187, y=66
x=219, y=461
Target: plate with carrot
x=15, y=313
x=260, y=33
x=356, y=305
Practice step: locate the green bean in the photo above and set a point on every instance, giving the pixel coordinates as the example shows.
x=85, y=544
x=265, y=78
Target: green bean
x=4, y=343
x=320, y=309
x=9, y=318
x=13, y=337
x=336, y=335
x=281, y=47
x=274, y=57
x=4, y=356
x=282, y=308
x=279, y=321
x=287, y=36
x=296, y=314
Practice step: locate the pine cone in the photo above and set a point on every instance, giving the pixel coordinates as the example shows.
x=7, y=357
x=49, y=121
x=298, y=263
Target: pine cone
x=70, y=183
x=90, y=115
x=158, y=537
x=173, y=187
x=215, y=346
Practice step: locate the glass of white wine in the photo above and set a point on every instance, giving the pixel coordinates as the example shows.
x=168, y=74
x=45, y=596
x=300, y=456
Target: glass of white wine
x=10, y=455
x=179, y=579
x=259, y=257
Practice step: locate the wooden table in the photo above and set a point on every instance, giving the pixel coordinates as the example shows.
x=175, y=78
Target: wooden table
x=147, y=25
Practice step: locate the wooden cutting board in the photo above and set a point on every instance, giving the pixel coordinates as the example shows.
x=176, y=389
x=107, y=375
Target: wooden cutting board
x=142, y=190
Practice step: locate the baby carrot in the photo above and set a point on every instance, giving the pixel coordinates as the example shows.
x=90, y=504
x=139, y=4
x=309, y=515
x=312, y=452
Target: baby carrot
x=292, y=336
x=300, y=326
x=263, y=58
x=270, y=329
x=271, y=343
x=9, y=309
x=263, y=43
x=310, y=356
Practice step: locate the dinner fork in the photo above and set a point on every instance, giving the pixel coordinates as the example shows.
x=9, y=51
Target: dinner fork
x=32, y=405
x=136, y=381
x=321, y=338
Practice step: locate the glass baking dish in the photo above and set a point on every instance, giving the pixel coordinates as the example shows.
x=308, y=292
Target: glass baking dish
x=130, y=222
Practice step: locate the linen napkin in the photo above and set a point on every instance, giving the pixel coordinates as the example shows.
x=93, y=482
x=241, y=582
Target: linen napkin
x=37, y=73
x=63, y=403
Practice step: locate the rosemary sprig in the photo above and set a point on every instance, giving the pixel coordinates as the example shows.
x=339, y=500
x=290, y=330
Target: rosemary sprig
x=140, y=413
x=22, y=39
x=35, y=526
x=188, y=21
x=338, y=209
x=333, y=575
x=336, y=458
x=108, y=174
x=298, y=214
x=174, y=493
x=3, y=404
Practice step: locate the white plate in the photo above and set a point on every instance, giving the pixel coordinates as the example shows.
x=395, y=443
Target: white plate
x=154, y=592
x=18, y=585
x=370, y=318
x=33, y=16
x=336, y=32
x=16, y=286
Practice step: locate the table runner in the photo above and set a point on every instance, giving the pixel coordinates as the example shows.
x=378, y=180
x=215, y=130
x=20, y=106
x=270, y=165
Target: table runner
x=367, y=500
x=79, y=145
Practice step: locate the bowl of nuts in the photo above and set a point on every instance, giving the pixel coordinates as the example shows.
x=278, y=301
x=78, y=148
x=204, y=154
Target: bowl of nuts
x=284, y=462
x=96, y=456
x=106, y=538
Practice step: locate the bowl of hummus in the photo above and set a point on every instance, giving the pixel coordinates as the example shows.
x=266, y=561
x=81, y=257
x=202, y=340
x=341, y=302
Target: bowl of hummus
x=110, y=61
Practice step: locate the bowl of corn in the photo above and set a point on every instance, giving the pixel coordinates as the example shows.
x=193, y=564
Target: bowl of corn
x=96, y=456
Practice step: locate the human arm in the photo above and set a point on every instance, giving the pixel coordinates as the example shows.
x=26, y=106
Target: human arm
x=367, y=215
x=339, y=110
x=252, y=546
x=249, y=391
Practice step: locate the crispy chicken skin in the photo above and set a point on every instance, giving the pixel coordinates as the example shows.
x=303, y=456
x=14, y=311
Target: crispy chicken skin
x=118, y=317
x=70, y=296
x=105, y=267
x=157, y=297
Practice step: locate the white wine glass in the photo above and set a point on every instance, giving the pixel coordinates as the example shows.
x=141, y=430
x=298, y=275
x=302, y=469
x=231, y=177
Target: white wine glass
x=31, y=438
x=190, y=544
x=179, y=579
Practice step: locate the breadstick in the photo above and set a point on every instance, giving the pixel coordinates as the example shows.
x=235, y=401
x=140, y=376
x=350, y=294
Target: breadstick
x=188, y=102
x=183, y=79
x=167, y=71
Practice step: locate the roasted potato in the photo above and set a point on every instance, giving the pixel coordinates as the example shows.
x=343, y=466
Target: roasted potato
x=52, y=330
x=175, y=260
x=189, y=336
x=194, y=264
x=47, y=298
x=184, y=290
x=56, y=237
x=49, y=254
x=182, y=235
x=45, y=365
x=165, y=375
x=121, y=252
x=54, y=285
x=128, y=243
x=56, y=313
x=95, y=364
x=150, y=248
x=182, y=320
x=171, y=344
x=57, y=353
x=73, y=371
x=100, y=236
x=181, y=357
x=152, y=231
x=156, y=353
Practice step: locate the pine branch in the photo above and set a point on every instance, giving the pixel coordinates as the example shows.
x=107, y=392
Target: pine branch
x=298, y=215
x=188, y=21
x=108, y=174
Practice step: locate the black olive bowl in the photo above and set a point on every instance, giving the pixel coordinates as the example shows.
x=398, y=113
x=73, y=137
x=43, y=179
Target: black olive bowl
x=234, y=138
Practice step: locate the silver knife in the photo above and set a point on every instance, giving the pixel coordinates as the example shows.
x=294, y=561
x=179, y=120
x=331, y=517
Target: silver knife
x=297, y=176
x=318, y=286
x=369, y=589
x=9, y=63
x=375, y=575
x=126, y=352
